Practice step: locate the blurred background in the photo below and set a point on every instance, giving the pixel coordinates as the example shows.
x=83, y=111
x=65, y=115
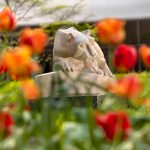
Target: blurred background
x=80, y=10
x=83, y=14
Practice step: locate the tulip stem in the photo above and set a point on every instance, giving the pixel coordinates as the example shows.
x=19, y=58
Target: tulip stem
x=110, y=59
x=129, y=104
x=147, y=86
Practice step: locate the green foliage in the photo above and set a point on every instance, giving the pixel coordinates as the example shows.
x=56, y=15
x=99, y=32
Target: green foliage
x=9, y=92
x=8, y=38
x=52, y=28
x=58, y=124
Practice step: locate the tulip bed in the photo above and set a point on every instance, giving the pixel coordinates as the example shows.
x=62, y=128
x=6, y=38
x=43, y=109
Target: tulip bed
x=121, y=120
x=52, y=124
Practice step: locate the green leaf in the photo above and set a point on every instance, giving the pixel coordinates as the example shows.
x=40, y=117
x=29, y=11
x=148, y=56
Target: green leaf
x=9, y=92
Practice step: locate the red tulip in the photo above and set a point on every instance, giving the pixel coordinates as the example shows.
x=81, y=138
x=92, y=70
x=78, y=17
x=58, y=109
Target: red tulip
x=111, y=31
x=114, y=124
x=3, y=67
x=7, y=20
x=128, y=86
x=6, y=124
x=36, y=39
x=144, y=51
x=125, y=57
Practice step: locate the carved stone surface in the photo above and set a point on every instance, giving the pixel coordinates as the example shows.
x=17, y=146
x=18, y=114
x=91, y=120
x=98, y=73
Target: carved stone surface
x=49, y=81
x=77, y=54
x=78, y=51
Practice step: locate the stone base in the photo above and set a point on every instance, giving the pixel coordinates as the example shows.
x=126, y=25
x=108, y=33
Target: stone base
x=77, y=84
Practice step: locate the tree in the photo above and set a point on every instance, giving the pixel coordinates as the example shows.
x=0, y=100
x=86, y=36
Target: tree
x=23, y=8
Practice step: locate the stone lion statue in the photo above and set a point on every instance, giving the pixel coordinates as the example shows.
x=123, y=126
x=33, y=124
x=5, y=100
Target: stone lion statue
x=78, y=51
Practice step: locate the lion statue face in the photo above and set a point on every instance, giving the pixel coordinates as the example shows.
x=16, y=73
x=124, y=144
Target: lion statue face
x=72, y=43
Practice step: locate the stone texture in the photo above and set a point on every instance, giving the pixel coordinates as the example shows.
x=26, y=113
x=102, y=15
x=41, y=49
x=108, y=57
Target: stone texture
x=79, y=65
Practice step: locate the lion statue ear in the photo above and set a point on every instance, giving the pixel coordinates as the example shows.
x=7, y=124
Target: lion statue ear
x=70, y=37
x=86, y=32
x=73, y=28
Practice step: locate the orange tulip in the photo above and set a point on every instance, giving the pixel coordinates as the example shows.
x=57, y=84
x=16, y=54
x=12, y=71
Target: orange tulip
x=19, y=63
x=30, y=89
x=144, y=51
x=36, y=39
x=111, y=31
x=7, y=20
x=128, y=86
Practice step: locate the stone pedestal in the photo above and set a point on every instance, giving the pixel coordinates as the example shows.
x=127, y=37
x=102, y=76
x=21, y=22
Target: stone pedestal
x=77, y=84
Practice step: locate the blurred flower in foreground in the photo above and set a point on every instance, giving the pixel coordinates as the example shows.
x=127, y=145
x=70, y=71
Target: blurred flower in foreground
x=144, y=51
x=30, y=90
x=19, y=63
x=36, y=39
x=7, y=20
x=111, y=31
x=6, y=124
x=114, y=124
x=3, y=67
x=146, y=102
x=125, y=57
x=143, y=101
x=128, y=86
